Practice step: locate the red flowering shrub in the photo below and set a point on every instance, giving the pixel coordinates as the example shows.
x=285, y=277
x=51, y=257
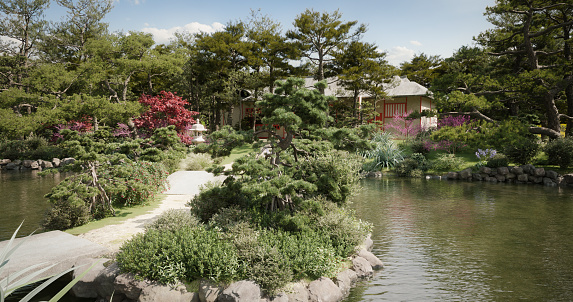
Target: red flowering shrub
x=164, y=110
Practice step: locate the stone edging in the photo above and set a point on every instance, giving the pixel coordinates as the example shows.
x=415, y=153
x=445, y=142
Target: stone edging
x=103, y=282
x=525, y=174
x=28, y=164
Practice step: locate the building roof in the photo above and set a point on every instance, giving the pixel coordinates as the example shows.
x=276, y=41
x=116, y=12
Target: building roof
x=399, y=86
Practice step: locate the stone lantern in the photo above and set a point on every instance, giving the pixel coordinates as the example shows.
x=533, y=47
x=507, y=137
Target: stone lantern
x=197, y=133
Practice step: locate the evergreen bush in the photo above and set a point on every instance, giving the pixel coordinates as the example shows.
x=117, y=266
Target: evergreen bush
x=497, y=161
x=560, y=152
x=522, y=151
x=446, y=162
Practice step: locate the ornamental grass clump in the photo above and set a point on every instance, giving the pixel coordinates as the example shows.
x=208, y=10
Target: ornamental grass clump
x=384, y=154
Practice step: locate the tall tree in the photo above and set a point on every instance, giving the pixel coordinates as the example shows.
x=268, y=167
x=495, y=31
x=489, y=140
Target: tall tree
x=67, y=39
x=361, y=69
x=319, y=35
x=22, y=22
x=534, y=45
x=422, y=69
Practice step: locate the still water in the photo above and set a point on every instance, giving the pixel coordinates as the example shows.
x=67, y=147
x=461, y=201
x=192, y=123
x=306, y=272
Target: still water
x=462, y=241
x=22, y=199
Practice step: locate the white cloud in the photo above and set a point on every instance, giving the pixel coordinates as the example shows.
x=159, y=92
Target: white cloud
x=414, y=42
x=399, y=54
x=162, y=35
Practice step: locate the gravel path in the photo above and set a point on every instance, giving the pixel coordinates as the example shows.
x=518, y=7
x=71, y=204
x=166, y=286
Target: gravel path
x=183, y=186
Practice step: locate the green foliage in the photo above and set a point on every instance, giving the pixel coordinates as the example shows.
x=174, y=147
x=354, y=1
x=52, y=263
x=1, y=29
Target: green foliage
x=413, y=166
x=348, y=139
x=560, y=152
x=334, y=174
x=385, y=153
x=482, y=134
x=214, y=197
x=446, y=162
x=418, y=146
x=522, y=151
x=172, y=220
x=134, y=183
x=223, y=141
x=196, y=162
x=33, y=147
x=498, y=160
x=198, y=253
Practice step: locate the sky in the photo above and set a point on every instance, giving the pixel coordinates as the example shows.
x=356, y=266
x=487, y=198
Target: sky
x=401, y=28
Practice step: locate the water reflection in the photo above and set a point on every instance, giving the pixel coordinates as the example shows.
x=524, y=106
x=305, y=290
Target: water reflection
x=454, y=241
x=22, y=199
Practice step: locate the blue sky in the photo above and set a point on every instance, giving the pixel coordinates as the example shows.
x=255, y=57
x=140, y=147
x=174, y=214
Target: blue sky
x=401, y=28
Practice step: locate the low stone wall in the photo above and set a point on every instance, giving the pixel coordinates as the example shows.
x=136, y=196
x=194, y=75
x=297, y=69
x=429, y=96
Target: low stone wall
x=6, y=164
x=103, y=282
x=518, y=174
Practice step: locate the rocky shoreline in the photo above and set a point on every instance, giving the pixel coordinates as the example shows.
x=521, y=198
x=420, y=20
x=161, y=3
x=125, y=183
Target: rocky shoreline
x=39, y=164
x=103, y=282
x=525, y=174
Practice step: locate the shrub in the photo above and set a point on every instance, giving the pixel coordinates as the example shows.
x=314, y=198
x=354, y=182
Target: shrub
x=385, y=153
x=419, y=146
x=136, y=182
x=446, y=162
x=33, y=147
x=212, y=198
x=498, y=160
x=64, y=215
x=522, y=151
x=196, y=162
x=173, y=220
x=186, y=254
x=335, y=173
x=560, y=152
x=413, y=166
x=345, y=231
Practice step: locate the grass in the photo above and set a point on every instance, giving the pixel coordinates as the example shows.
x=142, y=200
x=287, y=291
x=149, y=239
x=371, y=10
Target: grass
x=238, y=152
x=121, y=215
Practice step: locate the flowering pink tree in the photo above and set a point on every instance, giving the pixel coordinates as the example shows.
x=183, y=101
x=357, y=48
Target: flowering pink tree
x=164, y=110
x=404, y=126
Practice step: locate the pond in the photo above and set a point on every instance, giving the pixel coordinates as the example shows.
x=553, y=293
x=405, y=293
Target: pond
x=22, y=199
x=467, y=241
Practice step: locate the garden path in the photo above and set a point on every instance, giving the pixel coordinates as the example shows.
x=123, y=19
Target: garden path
x=183, y=185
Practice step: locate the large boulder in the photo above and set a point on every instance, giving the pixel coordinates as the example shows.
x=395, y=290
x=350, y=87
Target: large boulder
x=56, y=162
x=209, y=291
x=522, y=177
x=106, y=281
x=539, y=172
x=528, y=169
x=86, y=287
x=345, y=280
x=372, y=259
x=368, y=243
x=552, y=174
x=299, y=293
x=46, y=164
x=67, y=161
x=157, y=292
x=129, y=286
x=241, y=291
x=12, y=166
x=362, y=267
x=452, y=175
x=568, y=178
x=465, y=174
x=324, y=290
x=485, y=170
x=4, y=161
x=502, y=171
x=516, y=170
